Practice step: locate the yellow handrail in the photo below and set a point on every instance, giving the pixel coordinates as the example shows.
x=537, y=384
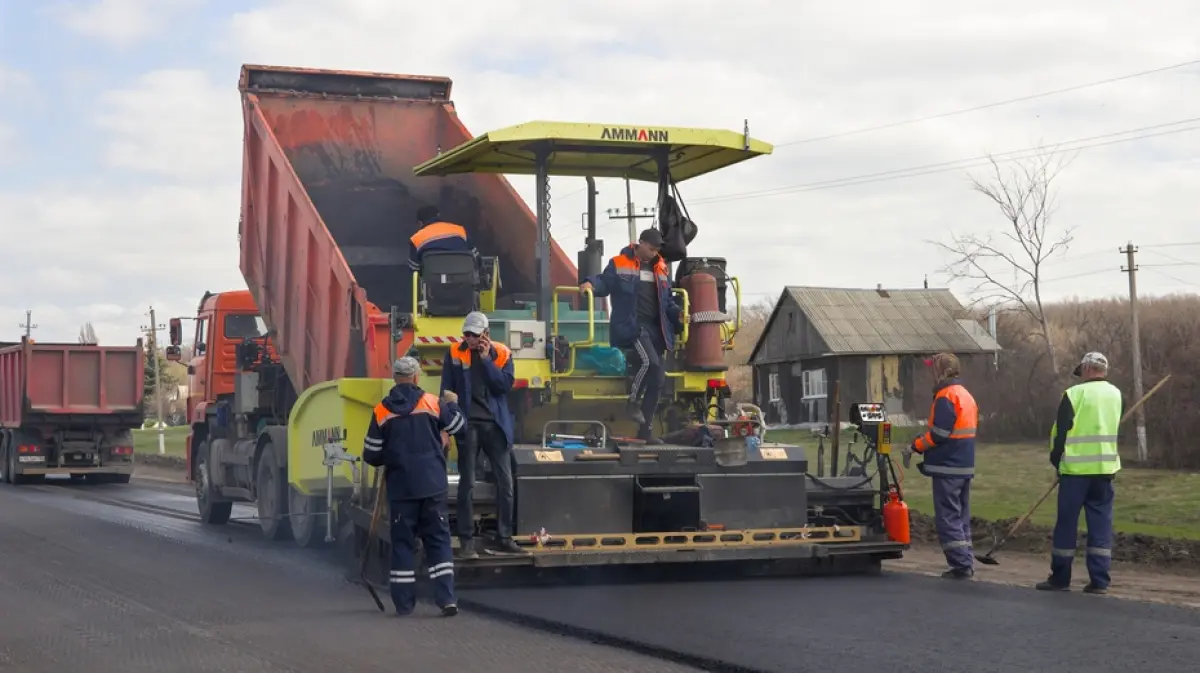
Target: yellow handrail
x=591, y=311
x=416, y=288
x=684, y=313
x=737, y=320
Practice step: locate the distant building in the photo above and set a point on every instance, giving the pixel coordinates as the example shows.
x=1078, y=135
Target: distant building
x=874, y=342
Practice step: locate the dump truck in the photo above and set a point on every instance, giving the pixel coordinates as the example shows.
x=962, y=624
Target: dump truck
x=69, y=409
x=286, y=373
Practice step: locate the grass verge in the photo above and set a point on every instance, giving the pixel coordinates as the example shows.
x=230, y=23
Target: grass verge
x=145, y=441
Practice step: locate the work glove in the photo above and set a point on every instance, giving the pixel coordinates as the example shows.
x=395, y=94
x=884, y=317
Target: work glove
x=449, y=396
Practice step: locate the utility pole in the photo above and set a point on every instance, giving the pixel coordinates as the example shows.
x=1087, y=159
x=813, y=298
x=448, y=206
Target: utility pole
x=647, y=213
x=28, y=325
x=1140, y=416
x=152, y=332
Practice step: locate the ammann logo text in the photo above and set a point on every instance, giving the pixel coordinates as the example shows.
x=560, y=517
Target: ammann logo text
x=324, y=436
x=637, y=135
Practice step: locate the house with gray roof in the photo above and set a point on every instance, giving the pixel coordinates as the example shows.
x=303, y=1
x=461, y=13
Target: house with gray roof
x=871, y=343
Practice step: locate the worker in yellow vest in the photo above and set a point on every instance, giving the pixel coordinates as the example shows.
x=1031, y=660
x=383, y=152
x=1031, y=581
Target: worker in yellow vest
x=1084, y=452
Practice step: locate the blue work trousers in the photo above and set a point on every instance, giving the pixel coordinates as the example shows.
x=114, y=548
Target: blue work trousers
x=426, y=519
x=952, y=516
x=1094, y=495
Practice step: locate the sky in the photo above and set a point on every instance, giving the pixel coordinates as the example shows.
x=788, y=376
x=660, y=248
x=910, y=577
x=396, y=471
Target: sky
x=120, y=136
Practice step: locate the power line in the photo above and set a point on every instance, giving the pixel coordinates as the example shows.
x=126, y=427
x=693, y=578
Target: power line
x=1173, y=278
x=944, y=166
x=977, y=108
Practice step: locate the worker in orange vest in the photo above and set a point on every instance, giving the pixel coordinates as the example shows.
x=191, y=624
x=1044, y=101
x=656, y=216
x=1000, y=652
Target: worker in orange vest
x=434, y=235
x=948, y=449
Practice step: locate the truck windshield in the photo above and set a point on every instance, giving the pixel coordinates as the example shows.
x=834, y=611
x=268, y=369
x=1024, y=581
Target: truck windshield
x=244, y=327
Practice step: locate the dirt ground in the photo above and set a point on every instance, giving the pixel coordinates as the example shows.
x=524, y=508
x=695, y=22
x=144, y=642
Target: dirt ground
x=1129, y=581
x=1144, y=569
x=1158, y=554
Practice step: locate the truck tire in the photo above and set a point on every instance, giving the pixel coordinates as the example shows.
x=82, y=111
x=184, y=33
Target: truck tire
x=213, y=510
x=272, y=495
x=306, y=518
x=5, y=472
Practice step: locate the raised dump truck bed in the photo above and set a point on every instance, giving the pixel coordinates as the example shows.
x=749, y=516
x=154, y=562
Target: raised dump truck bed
x=329, y=202
x=69, y=409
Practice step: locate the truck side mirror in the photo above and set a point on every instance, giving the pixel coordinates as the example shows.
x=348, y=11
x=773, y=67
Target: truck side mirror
x=173, y=353
x=176, y=335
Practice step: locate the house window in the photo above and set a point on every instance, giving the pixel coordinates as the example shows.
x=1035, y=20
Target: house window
x=813, y=383
x=773, y=391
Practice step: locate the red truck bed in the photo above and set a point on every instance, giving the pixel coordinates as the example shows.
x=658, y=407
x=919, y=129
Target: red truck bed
x=329, y=203
x=44, y=381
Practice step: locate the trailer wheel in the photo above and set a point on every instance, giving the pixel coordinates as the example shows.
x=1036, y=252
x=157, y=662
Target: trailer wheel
x=306, y=518
x=212, y=511
x=272, y=492
x=5, y=472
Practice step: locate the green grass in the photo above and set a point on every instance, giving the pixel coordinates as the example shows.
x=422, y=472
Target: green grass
x=1011, y=477
x=175, y=439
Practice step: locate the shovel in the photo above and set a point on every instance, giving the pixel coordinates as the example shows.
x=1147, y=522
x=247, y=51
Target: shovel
x=375, y=515
x=987, y=559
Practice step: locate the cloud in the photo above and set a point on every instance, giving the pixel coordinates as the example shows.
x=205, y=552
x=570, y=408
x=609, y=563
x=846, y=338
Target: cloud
x=797, y=72
x=175, y=123
x=118, y=22
x=161, y=224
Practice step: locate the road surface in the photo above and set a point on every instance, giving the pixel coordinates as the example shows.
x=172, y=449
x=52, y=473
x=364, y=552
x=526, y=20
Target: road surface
x=97, y=587
x=125, y=578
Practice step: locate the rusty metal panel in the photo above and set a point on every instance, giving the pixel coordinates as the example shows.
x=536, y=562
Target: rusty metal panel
x=330, y=201
x=62, y=379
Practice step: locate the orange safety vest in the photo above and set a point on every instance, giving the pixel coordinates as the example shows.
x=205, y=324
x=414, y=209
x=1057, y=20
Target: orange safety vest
x=462, y=356
x=436, y=231
x=954, y=456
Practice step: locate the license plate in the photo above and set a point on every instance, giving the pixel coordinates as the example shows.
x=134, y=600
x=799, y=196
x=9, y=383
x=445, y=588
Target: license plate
x=32, y=459
x=80, y=456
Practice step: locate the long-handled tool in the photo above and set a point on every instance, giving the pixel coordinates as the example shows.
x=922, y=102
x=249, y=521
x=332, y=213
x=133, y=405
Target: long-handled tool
x=376, y=513
x=987, y=559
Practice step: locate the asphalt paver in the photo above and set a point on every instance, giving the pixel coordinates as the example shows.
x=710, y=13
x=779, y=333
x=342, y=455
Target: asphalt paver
x=90, y=586
x=891, y=622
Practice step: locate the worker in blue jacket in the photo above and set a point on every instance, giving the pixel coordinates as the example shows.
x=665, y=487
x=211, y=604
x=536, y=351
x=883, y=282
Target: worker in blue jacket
x=480, y=372
x=405, y=438
x=643, y=320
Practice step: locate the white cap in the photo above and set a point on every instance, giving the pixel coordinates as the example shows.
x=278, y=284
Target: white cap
x=1092, y=359
x=475, y=323
x=406, y=367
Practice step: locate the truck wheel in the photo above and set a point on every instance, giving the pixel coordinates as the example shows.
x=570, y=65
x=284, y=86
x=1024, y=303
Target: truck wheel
x=212, y=510
x=5, y=471
x=306, y=517
x=272, y=492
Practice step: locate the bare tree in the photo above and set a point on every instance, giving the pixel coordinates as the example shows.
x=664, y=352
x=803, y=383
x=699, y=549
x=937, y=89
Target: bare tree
x=1025, y=196
x=87, y=335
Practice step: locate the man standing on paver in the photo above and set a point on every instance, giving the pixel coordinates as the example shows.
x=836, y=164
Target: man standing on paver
x=948, y=449
x=1085, y=455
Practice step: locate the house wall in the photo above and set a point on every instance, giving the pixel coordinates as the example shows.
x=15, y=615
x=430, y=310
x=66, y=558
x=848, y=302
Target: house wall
x=901, y=382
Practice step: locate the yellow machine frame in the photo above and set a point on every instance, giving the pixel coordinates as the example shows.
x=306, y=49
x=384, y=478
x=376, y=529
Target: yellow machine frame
x=544, y=148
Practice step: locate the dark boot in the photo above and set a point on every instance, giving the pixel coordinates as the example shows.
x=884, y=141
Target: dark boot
x=1095, y=589
x=635, y=413
x=959, y=573
x=450, y=610
x=646, y=434
x=1051, y=586
x=508, y=546
x=466, y=550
